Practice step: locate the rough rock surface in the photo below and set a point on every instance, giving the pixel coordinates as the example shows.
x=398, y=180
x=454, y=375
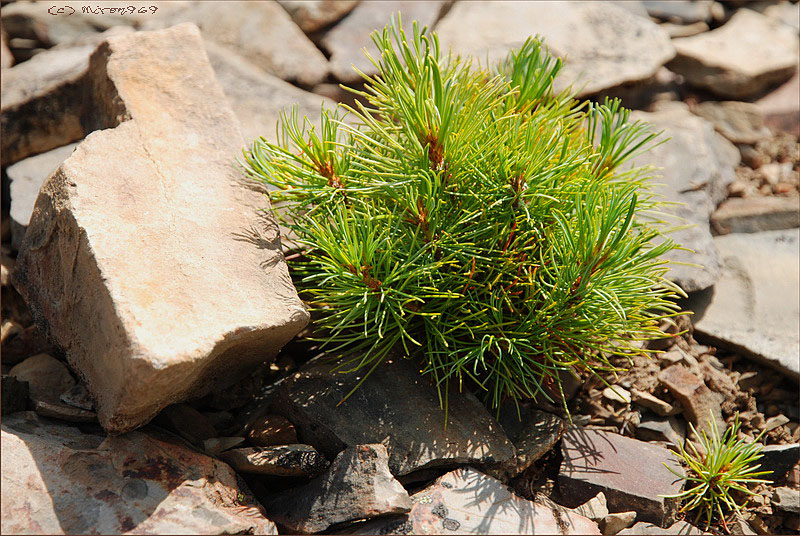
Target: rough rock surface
x=262, y=32
x=358, y=485
x=466, y=501
x=694, y=168
x=27, y=177
x=681, y=527
x=258, y=98
x=740, y=59
x=345, y=41
x=701, y=405
x=58, y=480
x=42, y=103
x=411, y=426
x=755, y=305
x=146, y=236
x=286, y=460
x=756, y=214
x=630, y=473
x=781, y=108
x=314, y=15
x=605, y=45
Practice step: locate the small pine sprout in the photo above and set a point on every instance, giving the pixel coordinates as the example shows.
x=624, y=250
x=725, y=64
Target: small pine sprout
x=475, y=220
x=714, y=478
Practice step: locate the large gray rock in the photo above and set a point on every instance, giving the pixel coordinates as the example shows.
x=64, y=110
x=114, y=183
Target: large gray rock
x=741, y=58
x=694, y=167
x=258, y=98
x=466, y=501
x=533, y=432
x=26, y=178
x=262, y=32
x=43, y=100
x=358, y=485
x=630, y=473
x=604, y=45
x=58, y=480
x=411, y=425
x=145, y=255
x=755, y=305
x=345, y=41
x=314, y=15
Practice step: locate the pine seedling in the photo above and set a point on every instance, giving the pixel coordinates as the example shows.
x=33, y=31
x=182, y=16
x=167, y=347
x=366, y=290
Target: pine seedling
x=475, y=220
x=722, y=466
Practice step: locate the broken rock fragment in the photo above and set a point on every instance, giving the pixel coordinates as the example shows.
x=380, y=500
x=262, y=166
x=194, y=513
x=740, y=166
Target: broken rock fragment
x=630, y=473
x=149, y=263
x=701, y=405
x=285, y=460
x=358, y=485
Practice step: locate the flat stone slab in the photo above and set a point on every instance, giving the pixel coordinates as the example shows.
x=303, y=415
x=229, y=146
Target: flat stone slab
x=533, y=432
x=694, y=167
x=741, y=58
x=630, y=473
x=755, y=214
x=258, y=98
x=262, y=32
x=345, y=41
x=27, y=177
x=148, y=261
x=466, y=501
x=604, y=45
x=755, y=305
x=285, y=460
x=412, y=426
x=59, y=480
x=358, y=485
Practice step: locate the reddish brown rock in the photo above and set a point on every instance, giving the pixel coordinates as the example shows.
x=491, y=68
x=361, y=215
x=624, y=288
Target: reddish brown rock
x=631, y=474
x=153, y=267
x=700, y=404
x=58, y=480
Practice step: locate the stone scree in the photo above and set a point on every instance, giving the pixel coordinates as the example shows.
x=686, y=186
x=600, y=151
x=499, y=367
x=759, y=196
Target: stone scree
x=147, y=259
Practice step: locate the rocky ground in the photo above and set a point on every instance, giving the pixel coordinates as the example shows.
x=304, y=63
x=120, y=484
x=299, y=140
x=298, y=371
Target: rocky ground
x=156, y=375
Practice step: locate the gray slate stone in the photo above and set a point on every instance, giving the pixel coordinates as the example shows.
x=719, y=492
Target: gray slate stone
x=258, y=98
x=345, y=40
x=740, y=59
x=412, y=426
x=605, y=46
x=754, y=306
x=787, y=499
x=694, y=168
x=644, y=529
x=358, y=485
x=466, y=501
x=667, y=429
x=285, y=460
x=533, y=432
x=27, y=177
x=779, y=459
x=59, y=480
x=630, y=473
x=262, y=32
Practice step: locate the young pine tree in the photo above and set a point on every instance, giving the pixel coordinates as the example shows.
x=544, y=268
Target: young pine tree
x=474, y=219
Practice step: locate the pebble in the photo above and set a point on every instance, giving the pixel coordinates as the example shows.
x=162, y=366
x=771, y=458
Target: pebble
x=614, y=523
x=617, y=394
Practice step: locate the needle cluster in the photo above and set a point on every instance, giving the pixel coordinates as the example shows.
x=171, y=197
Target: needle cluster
x=474, y=219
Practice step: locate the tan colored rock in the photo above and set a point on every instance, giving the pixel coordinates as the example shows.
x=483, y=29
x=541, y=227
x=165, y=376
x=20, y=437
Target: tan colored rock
x=6, y=58
x=258, y=98
x=756, y=214
x=604, y=45
x=48, y=377
x=701, y=406
x=42, y=103
x=314, y=15
x=58, y=480
x=781, y=108
x=153, y=267
x=741, y=58
x=260, y=31
x=345, y=41
x=739, y=122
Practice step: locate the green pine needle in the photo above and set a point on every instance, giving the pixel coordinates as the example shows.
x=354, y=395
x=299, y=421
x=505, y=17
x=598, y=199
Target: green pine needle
x=475, y=220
